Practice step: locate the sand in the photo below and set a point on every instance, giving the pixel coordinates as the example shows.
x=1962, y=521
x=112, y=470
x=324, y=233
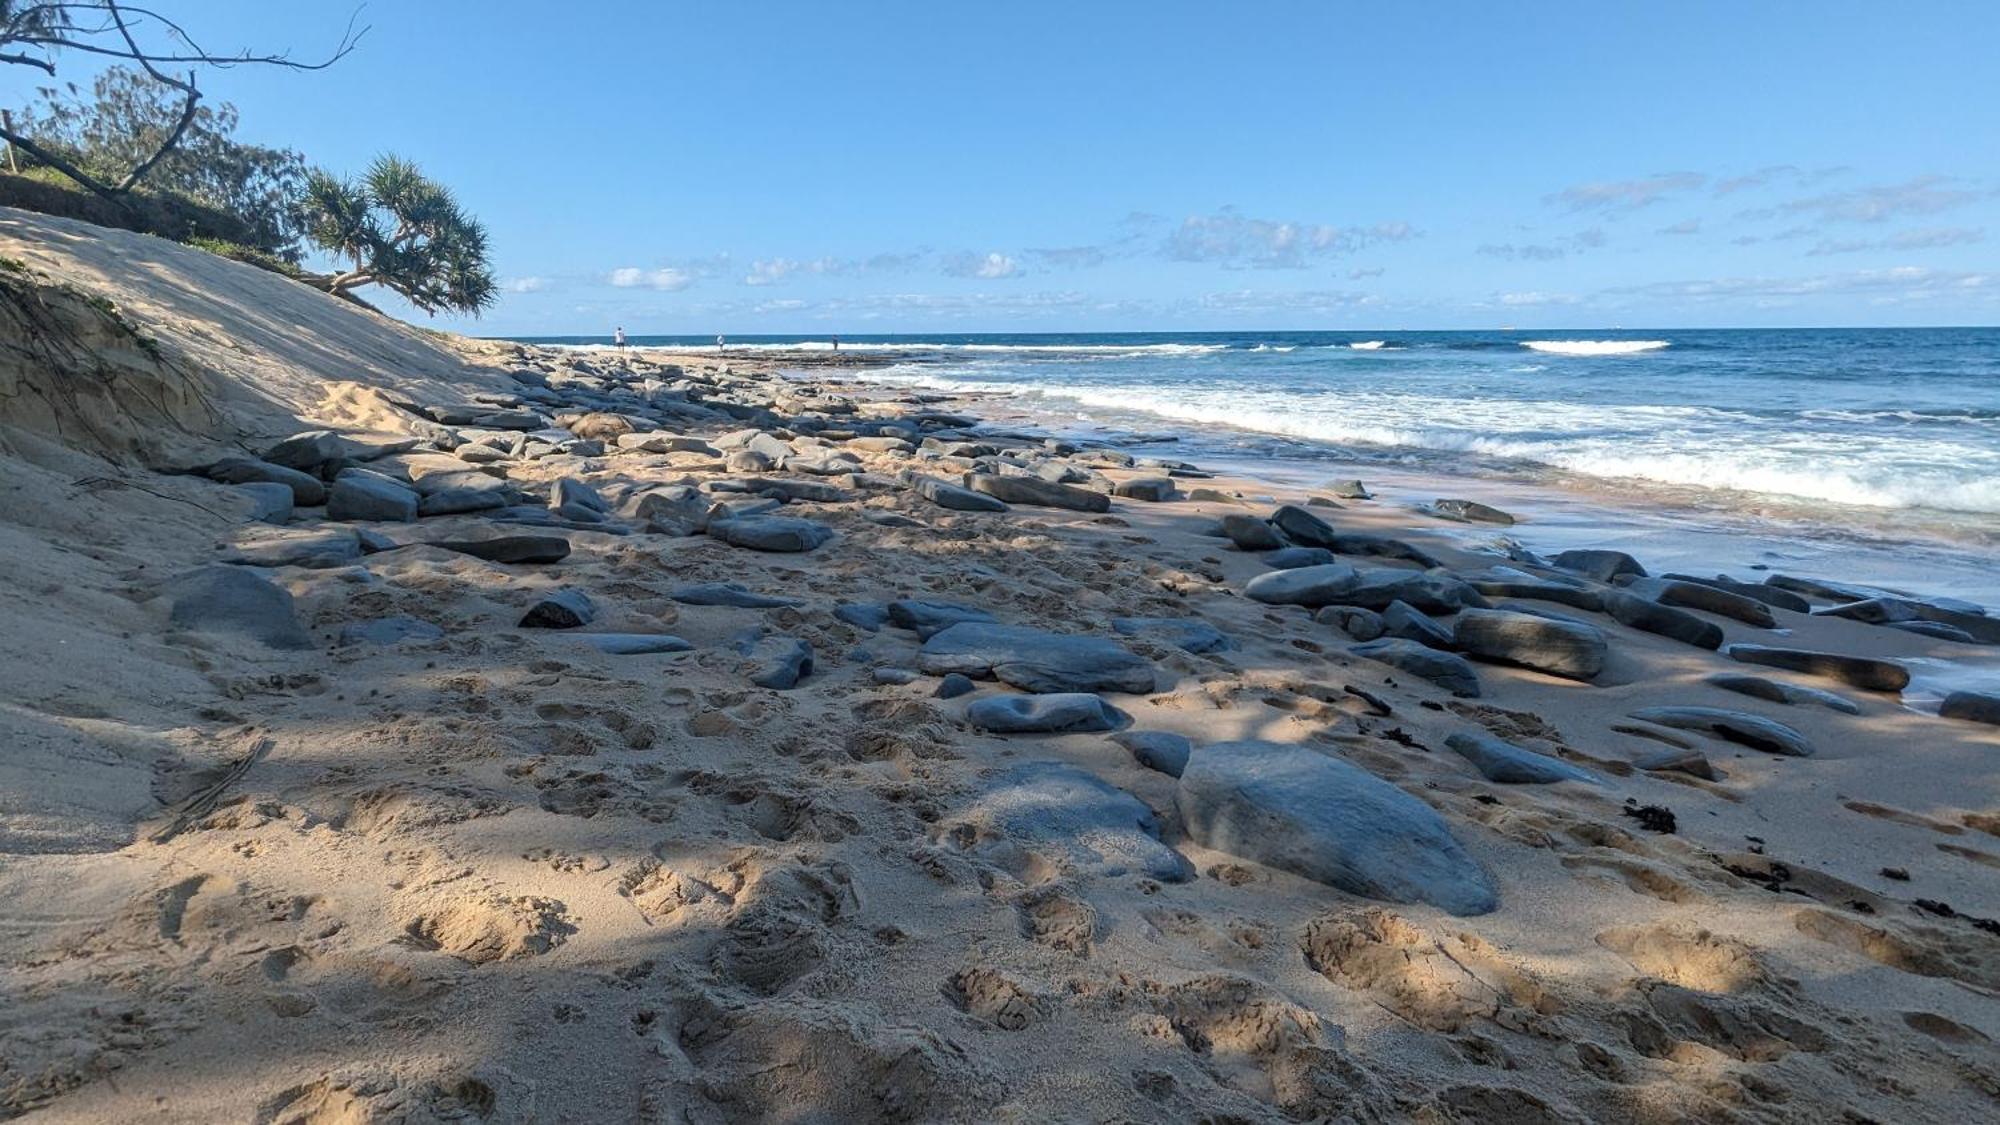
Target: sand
x=503, y=876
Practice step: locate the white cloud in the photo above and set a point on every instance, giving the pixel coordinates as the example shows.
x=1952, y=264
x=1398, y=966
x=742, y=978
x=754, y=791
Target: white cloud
x=1922, y=195
x=1561, y=247
x=990, y=267
x=1929, y=238
x=1887, y=286
x=1233, y=239
x=526, y=284
x=1685, y=226
x=666, y=279
x=770, y=271
x=1626, y=195
x=1536, y=299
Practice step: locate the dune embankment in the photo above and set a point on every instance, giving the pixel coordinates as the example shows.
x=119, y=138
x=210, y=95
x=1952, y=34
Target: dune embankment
x=401, y=727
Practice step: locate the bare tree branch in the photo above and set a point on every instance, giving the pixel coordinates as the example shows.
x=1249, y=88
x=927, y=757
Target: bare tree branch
x=59, y=164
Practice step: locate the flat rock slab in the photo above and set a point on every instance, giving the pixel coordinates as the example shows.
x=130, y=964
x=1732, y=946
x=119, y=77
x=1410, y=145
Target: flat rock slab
x=863, y=615
x=1034, y=660
x=1754, y=731
x=1508, y=764
x=784, y=534
x=269, y=502
x=359, y=494
x=1043, y=714
x=518, y=550
x=1756, y=591
x=1972, y=706
x=1561, y=648
x=308, y=491
x=729, y=594
x=633, y=644
x=1324, y=819
x=778, y=663
x=1471, y=511
x=336, y=546
x=928, y=619
x=1309, y=586
x=1292, y=558
x=1449, y=671
x=1079, y=820
x=1432, y=591
x=954, y=498
x=562, y=609
x=1709, y=599
x=458, y=501
x=389, y=631
x=1033, y=490
x=1757, y=687
x=1504, y=582
x=232, y=601
x=1157, y=749
x=1866, y=673
x=1666, y=621
x=1188, y=634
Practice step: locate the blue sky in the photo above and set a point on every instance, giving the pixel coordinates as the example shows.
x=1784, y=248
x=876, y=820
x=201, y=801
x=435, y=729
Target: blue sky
x=880, y=166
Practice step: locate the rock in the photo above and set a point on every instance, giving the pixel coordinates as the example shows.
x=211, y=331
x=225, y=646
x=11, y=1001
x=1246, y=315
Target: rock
x=1505, y=582
x=1035, y=661
x=1303, y=528
x=1043, y=714
x=1972, y=706
x=1870, y=611
x=1652, y=617
x=661, y=442
x=928, y=619
x=232, y=601
x=359, y=494
x=1754, y=731
x=1157, y=749
x=319, y=452
x=1863, y=672
x=1604, y=566
x=1560, y=648
x=1348, y=489
x=1292, y=558
x=956, y=499
x=1093, y=828
x=677, y=509
x=574, y=500
x=786, y=534
x=1360, y=624
x=1309, y=586
x=1211, y=496
x=1031, y=490
x=633, y=644
x=326, y=547
x=1670, y=759
x=510, y=549
x=728, y=594
x=1250, y=533
x=269, y=502
x=1448, y=671
x=1324, y=819
x=457, y=501
x=1757, y=687
x=1508, y=764
x=1926, y=618
x=1433, y=591
x=1471, y=511
x=566, y=608
x=521, y=420
x=1186, y=633
x=895, y=677
x=1696, y=595
x=307, y=490
x=389, y=631
x=1150, y=489
x=602, y=426
x=748, y=461
x=1756, y=591
x=863, y=615
x=1381, y=546
x=1937, y=629
x=809, y=491
x=1408, y=623
x=953, y=686
x=778, y=663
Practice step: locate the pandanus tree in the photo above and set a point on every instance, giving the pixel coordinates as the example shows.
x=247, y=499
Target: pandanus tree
x=397, y=228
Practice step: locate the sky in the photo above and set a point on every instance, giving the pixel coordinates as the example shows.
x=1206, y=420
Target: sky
x=880, y=166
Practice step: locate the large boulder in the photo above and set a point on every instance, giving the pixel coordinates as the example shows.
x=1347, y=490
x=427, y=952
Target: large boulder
x=1433, y=591
x=1447, y=670
x=1043, y=714
x=1971, y=706
x=1309, y=586
x=1304, y=528
x=1252, y=534
x=232, y=601
x=1088, y=826
x=1033, y=490
x=1327, y=820
x=359, y=494
x=1863, y=672
x=1508, y=764
x=307, y=490
x=1710, y=599
x=1561, y=648
x=1034, y=660
x=1599, y=564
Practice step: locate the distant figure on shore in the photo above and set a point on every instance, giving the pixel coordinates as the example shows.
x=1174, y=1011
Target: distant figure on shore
x=618, y=337
x=836, y=343
x=720, y=343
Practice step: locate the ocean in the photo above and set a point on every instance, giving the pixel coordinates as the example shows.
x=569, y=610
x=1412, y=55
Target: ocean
x=1885, y=442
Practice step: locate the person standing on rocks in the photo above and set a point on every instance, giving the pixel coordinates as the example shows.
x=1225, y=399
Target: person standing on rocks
x=720, y=343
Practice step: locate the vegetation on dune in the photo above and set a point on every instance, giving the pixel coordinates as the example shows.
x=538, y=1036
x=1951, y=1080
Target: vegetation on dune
x=399, y=229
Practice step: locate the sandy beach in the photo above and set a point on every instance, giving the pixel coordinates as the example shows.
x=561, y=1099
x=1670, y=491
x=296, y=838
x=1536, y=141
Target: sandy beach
x=405, y=727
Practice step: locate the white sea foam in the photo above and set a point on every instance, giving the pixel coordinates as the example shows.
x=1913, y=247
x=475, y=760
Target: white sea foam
x=1594, y=347
x=1369, y=345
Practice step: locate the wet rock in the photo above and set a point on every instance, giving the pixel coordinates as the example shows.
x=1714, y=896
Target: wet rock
x=1936, y=629
x=728, y=594
x=1324, y=819
x=1695, y=595
x=1757, y=591
x=389, y=631
x=1186, y=633
x=784, y=534
x=1034, y=660
x=1250, y=533
x=1561, y=648
x=928, y=619
x=1604, y=566
x=1348, y=489
x=1360, y=624
x=1508, y=764
x=510, y=549
x=1157, y=749
x=1451, y=672
x=1043, y=714
x=1863, y=672
x=1091, y=827
x=1506, y=582
x=1757, y=687
x=634, y=644
x=1471, y=511
x=1972, y=706
x=567, y=608
x=1304, y=528
x=1150, y=489
x=359, y=494
x=778, y=663
x=1666, y=621
x=232, y=601
x=1292, y=558
x=1309, y=586
x=1031, y=490
x=1754, y=731
x=307, y=490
